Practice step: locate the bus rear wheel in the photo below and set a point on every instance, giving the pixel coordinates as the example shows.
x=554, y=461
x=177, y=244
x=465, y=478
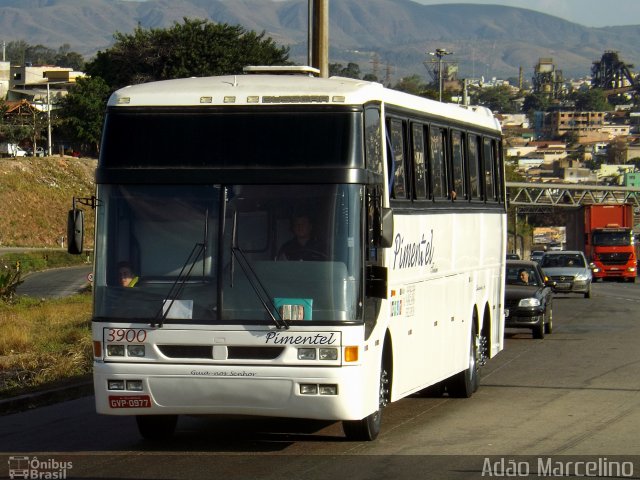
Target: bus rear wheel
x=465, y=383
x=368, y=428
x=156, y=427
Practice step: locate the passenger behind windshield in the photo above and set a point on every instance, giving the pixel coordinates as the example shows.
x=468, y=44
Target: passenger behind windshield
x=304, y=245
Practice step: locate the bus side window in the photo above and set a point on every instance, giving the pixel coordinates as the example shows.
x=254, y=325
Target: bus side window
x=419, y=170
x=397, y=148
x=488, y=161
x=457, y=162
x=475, y=191
x=372, y=139
x=437, y=163
x=498, y=169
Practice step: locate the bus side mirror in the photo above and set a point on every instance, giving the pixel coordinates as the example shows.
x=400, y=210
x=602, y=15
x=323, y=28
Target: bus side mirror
x=75, y=231
x=385, y=233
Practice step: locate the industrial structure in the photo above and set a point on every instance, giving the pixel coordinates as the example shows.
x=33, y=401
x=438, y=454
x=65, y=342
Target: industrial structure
x=547, y=80
x=612, y=74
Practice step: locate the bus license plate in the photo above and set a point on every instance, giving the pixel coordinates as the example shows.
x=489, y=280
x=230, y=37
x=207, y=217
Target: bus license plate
x=129, y=401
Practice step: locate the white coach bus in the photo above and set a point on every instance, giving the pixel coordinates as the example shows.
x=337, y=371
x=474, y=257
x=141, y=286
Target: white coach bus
x=290, y=246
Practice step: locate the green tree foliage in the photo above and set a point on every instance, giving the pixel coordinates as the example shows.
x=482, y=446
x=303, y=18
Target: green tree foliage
x=536, y=102
x=497, y=99
x=591, y=100
x=352, y=70
x=194, y=48
x=81, y=113
x=20, y=52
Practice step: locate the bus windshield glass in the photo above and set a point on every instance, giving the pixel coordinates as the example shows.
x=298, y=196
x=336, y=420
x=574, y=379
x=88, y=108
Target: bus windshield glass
x=229, y=254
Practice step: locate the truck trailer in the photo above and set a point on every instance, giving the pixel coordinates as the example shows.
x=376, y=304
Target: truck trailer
x=609, y=241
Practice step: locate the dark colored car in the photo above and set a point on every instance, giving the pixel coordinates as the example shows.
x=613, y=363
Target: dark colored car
x=528, y=298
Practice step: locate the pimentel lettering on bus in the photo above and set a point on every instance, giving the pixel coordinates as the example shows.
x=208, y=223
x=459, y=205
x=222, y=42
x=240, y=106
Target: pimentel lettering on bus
x=412, y=254
x=276, y=338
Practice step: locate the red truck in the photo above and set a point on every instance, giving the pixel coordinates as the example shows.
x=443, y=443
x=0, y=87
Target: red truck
x=609, y=244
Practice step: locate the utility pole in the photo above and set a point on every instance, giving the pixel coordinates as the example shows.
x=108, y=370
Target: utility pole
x=320, y=44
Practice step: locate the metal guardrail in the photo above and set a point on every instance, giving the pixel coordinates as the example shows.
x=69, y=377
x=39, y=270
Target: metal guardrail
x=564, y=195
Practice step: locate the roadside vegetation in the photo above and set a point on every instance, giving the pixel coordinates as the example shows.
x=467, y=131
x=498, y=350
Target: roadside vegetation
x=44, y=343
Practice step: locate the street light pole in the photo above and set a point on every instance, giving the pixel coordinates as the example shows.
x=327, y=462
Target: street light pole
x=440, y=52
x=49, y=152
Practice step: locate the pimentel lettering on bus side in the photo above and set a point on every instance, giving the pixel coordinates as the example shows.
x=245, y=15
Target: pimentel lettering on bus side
x=277, y=338
x=412, y=254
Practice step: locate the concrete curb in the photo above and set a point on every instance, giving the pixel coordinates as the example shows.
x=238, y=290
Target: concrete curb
x=28, y=401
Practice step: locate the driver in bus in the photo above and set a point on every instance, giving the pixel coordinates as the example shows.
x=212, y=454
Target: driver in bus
x=304, y=246
x=126, y=276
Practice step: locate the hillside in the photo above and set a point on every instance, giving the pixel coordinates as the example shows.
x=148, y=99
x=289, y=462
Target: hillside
x=488, y=40
x=35, y=196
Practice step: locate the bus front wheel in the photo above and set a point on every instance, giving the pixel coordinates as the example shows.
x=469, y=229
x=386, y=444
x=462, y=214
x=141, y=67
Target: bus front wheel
x=368, y=428
x=156, y=427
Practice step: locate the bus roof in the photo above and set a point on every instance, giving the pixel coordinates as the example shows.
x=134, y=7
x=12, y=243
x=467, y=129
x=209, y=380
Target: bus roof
x=259, y=89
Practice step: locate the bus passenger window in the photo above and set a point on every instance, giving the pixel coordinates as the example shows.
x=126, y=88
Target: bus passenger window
x=436, y=163
x=397, y=144
x=419, y=171
x=457, y=160
x=474, y=167
x=488, y=171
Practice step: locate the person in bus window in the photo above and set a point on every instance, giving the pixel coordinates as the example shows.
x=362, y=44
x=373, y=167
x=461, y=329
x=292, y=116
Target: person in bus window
x=304, y=245
x=126, y=276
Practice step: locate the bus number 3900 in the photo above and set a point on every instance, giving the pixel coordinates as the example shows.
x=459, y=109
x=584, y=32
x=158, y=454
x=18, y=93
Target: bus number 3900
x=128, y=335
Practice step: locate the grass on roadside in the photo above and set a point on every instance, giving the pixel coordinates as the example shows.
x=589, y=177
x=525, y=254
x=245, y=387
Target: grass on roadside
x=44, y=343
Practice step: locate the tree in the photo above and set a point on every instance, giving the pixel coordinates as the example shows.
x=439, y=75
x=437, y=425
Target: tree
x=352, y=70
x=194, y=48
x=497, y=99
x=81, y=112
x=20, y=52
x=536, y=102
x=592, y=100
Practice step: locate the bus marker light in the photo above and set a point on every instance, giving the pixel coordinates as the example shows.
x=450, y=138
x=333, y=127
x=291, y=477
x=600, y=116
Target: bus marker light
x=135, y=350
x=97, y=348
x=328, y=354
x=253, y=99
x=124, y=100
x=351, y=354
x=306, y=354
x=328, y=389
x=115, y=350
x=206, y=99
x=229, y=99
x=308, y=389
x=115, y=384
x=338, y=98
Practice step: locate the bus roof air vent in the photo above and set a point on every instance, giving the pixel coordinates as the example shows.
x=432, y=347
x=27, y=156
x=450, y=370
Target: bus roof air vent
x=283, y=70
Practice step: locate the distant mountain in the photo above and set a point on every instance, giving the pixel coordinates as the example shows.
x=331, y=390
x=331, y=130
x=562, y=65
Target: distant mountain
x=488, y=40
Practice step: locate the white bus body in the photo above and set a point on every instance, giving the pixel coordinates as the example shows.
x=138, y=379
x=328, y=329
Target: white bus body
x=229, y=329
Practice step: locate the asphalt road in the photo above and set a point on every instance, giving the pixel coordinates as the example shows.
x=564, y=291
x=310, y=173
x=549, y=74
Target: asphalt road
x=54, y=283
x=571, y=397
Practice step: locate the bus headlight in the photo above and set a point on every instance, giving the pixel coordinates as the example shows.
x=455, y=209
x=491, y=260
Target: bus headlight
x=306, y=354
x=115, y=350
x=328, y=353
x=308, y=389
x=115, y=384
x=135, y=350
x=134, y=385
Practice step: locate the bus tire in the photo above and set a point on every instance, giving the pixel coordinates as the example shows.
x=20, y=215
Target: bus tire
x=465, y=383
x=368, y=428
x=156, y=427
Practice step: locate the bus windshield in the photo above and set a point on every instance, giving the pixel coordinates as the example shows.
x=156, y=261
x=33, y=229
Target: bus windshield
x=234, y=254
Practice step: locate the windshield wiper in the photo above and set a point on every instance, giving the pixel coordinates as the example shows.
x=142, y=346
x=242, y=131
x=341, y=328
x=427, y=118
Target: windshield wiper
x=259, y=288
x=178, y=286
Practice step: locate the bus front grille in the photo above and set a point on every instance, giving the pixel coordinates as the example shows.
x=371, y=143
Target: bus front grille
x=234, y=352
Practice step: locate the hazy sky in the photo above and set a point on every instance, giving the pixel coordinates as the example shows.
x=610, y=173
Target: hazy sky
x=591, y=13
